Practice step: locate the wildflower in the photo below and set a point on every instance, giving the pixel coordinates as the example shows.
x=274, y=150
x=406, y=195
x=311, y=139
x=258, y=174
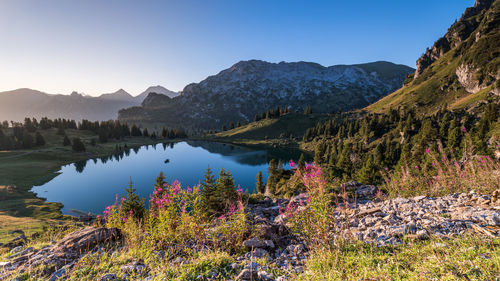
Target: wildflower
x=464, y=130
x=239, y=190
x=416, y=167
x=292, y=164
x=130, y=212
x=108, y=208
x=123, y=199
x=427, y=150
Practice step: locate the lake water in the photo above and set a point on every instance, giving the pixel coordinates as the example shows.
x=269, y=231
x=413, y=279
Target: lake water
x=89, y=186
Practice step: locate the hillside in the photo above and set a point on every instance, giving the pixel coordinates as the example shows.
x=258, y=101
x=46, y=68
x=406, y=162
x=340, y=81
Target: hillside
x=250, y=87
x=17, y=104
x=461, y=70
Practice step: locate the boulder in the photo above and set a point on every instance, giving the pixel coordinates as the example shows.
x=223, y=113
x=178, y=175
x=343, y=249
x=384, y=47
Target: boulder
x=83, y=239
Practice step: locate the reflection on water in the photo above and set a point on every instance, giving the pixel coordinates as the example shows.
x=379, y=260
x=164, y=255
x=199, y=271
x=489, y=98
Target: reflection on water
x=90, y=185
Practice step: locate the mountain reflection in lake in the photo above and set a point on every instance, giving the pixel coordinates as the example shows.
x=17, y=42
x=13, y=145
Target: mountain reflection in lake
x=90, y=185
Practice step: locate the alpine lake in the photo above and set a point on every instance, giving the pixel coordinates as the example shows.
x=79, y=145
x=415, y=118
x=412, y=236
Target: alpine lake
x=89, y=186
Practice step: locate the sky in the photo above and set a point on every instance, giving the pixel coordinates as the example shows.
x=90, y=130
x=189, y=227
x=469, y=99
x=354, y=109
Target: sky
x=96, y=46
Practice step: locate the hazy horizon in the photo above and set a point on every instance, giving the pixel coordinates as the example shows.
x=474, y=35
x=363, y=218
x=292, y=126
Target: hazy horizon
x=96, y=47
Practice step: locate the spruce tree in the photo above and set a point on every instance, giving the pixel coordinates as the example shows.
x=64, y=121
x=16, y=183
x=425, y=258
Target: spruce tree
x=78, y=145
x=259, y=184
x=209, y=202
x=39, y=140
x=302, y=163
x=133, y=204
x=66, y=141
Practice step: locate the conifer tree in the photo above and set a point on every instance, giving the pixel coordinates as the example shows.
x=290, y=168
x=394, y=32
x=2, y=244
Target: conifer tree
x=66, y=141
x=39, y=140
x=133, y=205
x=78, y=145
x=259, y=184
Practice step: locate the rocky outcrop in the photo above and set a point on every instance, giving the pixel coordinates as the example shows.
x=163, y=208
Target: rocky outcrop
x=375, y=221
x=457, y=33
x=62, y=254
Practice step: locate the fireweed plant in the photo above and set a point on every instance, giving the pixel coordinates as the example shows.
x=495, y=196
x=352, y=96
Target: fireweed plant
x=176, y=221
x=443, y=174
x=313, y=219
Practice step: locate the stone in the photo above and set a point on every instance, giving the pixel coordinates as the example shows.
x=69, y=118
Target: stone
x=58, y=274
x=258, y=253
x=265, y=276
x=247, y=274
x=83, y=239
x=253, y=243
x=109, y=276
x=135, y=267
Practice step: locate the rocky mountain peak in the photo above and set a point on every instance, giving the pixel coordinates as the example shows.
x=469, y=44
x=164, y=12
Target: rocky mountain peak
x=457, y=33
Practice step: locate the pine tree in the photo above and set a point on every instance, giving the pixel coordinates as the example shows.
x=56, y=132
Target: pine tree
x=160, y=180
x=208, y=200
x=78, y=145
x=302, y=163
x=272, y=179
x=225, y=192
x=39, y=140
x=259, y=184
x=27, y=140
x=66, y=141
x=133, y=204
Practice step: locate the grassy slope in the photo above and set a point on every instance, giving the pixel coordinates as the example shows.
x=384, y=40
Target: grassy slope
x=438, y=85
x=22, y=169
x=271, y=131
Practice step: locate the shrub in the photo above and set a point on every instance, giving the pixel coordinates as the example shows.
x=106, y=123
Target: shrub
x=444, y=175
x=78, y=145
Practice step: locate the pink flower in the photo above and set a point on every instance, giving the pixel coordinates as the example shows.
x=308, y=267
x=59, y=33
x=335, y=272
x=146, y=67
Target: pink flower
x=108, y=208
x=292, y=164
x=130, y=212
x=239, y=189
x=123, y=199
x=416, y=167
x=464, y=130
x=427, y=150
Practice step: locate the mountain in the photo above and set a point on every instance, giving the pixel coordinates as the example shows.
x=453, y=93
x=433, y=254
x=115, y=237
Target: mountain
x=158, y=90
x=250, y=87
x=461, y=69
x=120, y=95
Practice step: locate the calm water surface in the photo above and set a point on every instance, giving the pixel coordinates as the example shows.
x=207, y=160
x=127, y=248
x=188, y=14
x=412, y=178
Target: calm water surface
x=89, y=186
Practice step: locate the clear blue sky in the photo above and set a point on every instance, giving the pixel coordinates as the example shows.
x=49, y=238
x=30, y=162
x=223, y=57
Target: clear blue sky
x=98, y=46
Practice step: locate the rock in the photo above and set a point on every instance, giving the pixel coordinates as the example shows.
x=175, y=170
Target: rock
x=269, y=244
x=17, y=231
x=58, y=274
x=265, y=276
x=135, y=267
x=19, y=238
x=253, y=243
x=258, y=253
x=247, y=274
x=83, y=239
x=108, y=276
x=16, y=249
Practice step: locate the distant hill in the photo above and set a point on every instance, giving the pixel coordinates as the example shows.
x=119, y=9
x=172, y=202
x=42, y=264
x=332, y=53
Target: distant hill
x=461, y=69
x=158, y=90
x=18, y=104
x=250, y=87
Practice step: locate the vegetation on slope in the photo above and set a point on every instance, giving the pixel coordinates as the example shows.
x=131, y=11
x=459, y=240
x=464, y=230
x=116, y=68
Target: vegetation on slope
x=471, y=49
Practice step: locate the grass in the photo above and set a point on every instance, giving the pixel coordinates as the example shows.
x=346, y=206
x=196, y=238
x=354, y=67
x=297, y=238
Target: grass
x=20, y=170
x=463, y=258
x=269, y=131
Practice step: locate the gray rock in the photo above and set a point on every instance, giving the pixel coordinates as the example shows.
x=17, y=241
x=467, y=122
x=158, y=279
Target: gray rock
x=58, y=274
x=109, y=276
x=265, y=276
x=247, y=274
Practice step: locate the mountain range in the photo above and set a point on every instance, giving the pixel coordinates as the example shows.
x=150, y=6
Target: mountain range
x=17, y=104
x=251, y=87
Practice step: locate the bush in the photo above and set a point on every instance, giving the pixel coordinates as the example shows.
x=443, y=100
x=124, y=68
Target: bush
x=444, y=175
x=78, y=145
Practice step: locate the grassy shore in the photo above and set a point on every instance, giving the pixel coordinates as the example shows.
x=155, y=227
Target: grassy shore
x=20, y=170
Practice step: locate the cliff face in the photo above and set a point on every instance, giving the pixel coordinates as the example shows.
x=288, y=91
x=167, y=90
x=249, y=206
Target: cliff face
x=460, y=71
x=457, y=33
